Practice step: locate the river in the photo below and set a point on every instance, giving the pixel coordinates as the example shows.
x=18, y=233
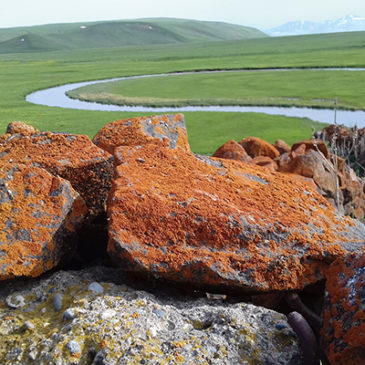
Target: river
x=56, y=97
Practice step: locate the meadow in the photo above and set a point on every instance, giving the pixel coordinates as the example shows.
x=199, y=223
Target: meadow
x=30, y=70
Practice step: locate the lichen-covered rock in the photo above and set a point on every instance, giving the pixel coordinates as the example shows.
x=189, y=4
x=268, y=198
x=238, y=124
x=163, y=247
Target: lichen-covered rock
x=258, y=147
x=343, y=332
x=21, y=128
x=206, y=221
x=282, y=146
x=312, y=144
x=163, y=130
x=39, y=214
x=125, y=326
x=73, y=157
x=233, y=151
x=265, y=161
x=313, y=164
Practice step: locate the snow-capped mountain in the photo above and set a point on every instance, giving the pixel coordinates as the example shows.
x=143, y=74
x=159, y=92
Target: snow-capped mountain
x=344, y=24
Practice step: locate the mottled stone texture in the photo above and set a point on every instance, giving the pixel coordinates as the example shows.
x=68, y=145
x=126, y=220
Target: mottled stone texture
x=73, y=157
x=312, y=144
x=257, y=147
x=207, y=221
x=163, y=130
x=39, y=214
x=21, y=128
x=126, y=326
x=343, y=332
x=233, y=151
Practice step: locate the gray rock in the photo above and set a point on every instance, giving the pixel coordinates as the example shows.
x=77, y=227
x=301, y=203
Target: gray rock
x=96, y=288
x=73, y=347
x=57, y=301
x=123, y=327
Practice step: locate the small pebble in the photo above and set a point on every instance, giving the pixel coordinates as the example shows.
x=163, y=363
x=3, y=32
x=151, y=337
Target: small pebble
x=96, y=288
x=73, y=347
x=15, y=302
x=57, y=301
x=153, y=331
x=69, y=314
x=109, y=313
x=29, y=325
x=159, y=313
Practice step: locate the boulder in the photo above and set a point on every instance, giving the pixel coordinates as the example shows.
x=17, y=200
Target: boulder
x=312, y=144
x=257, y=147
x=265, y=161
x=73, y=157
x=39, y=215
x=213, y=222
x=343, y=332
x=99, y=322
x=282, y=146
x=21, y=128
x=313, y=164
x=163, y=130
x=233, y=151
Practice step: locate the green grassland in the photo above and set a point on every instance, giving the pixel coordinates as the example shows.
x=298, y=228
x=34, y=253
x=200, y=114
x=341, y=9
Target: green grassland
x=281, y=88
x=24, y=72
x=119, y=34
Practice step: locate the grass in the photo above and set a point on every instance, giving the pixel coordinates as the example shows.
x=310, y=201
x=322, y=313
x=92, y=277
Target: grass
x=119, y=34
x=22, y=73
x=281, y=88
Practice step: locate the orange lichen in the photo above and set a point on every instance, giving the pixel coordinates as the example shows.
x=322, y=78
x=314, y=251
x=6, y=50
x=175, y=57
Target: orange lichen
x=163, y=130
x=233, y=151
x=33, y=207
x=192, y=221
x=343, y=331
x=258, y=147
x=73, y=157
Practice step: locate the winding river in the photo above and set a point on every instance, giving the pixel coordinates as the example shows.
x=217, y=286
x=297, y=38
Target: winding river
x=56, y=97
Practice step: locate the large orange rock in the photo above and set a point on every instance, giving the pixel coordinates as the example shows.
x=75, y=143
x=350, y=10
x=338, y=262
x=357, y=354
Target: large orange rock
x=214, y=222
x=258, y=147
x=312, y=144
x=343, y=331
x=164, y=130
x=233, y=151
x=39, y=216
x=73, y=157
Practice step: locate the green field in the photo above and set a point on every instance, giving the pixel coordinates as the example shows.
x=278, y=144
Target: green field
x=280, y=88
x=22, y=73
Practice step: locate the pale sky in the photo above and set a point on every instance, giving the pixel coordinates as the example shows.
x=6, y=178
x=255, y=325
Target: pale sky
x=262, y=14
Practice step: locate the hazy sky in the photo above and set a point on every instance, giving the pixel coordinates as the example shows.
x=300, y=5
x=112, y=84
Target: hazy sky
x=262, y=14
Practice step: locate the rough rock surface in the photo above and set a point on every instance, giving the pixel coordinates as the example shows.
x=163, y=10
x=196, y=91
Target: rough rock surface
x=265, y=161
x=124, y=326
x=164, y=130
x=194, y=219
x=39, y=214
x=73, y=157
x=258, y=147
x=343, y=332
x=312, y=164
x=21, y=128
x=233, y=151
x=312, y=144
x=282, y=146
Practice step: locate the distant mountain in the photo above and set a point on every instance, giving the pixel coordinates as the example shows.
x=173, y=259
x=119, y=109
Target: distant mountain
x=345, y=24
x=119, y=34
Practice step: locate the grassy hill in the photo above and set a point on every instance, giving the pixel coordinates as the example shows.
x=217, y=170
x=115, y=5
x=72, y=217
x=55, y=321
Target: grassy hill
x=118, y=34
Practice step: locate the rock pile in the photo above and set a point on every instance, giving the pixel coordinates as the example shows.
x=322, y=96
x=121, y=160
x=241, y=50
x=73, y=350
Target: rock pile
x=189, y=221
x=334, y=179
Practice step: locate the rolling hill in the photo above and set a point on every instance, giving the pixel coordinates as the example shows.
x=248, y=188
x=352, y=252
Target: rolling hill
x=119, y=33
